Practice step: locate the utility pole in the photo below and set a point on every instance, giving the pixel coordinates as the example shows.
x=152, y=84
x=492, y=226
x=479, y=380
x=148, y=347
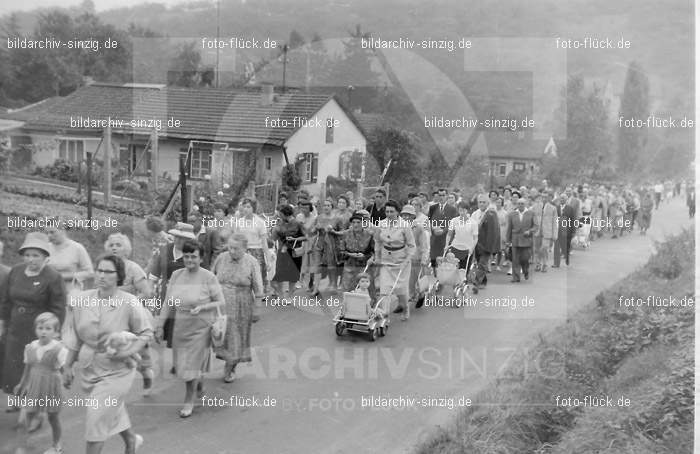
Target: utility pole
x=108, y=166
x=218, y=26
x=285, y=48
x=88, y=187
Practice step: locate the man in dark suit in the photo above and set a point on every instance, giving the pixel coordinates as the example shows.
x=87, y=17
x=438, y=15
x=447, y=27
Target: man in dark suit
x=376, y=209
x=489, y=239
x=522, y=226
x=439, y=216
x=566, y=216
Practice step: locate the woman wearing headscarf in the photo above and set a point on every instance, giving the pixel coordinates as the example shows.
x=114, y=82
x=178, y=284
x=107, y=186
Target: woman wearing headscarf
x=105, y=375
x=394, y=246
x=199, y=294
x=29, y=289
x=239, y=275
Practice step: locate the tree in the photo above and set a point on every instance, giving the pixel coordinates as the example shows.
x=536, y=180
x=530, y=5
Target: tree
x=584, y=150
x=295, y=40
x=398, y=147
x=184, y=67
x=633, y=105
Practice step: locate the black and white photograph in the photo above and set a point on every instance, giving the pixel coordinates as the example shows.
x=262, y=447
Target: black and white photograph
x=347, y=226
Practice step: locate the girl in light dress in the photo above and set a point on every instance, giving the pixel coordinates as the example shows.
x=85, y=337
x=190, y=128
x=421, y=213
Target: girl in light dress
x=41, y=380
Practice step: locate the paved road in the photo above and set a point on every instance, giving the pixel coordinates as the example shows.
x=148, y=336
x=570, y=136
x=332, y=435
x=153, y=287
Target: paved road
x=318, y=380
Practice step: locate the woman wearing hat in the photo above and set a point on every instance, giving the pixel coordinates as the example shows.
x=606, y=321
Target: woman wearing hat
x=170, y=260
x=393, y=248
x=32, y=287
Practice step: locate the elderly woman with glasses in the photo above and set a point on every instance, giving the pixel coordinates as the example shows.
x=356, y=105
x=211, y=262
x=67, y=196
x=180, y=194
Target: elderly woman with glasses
x=239, y=274
x=105, y=375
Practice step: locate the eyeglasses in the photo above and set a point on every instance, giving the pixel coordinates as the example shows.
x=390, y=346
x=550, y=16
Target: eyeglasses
x=98, y=271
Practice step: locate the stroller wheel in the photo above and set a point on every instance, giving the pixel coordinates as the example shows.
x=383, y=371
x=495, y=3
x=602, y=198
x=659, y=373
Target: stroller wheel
x=372, y=334
x=339, y=328
x=383, y=330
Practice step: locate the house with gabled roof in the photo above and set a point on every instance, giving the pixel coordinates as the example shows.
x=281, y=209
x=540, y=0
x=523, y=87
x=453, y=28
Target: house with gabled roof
x=230, y=136
x=518, y=151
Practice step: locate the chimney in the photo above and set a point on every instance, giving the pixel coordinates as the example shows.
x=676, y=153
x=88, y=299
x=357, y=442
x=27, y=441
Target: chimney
x=267, y=94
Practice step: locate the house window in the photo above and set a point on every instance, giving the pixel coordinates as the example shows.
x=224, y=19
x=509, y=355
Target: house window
x=200, y=162
x=268, y=163
x=519, y=166
x=307, y=167
x=329, y=130
x=71, y=150
x=501, y=170
x=135, y=158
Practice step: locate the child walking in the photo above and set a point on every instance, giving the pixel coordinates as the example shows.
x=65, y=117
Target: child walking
x=41, y=380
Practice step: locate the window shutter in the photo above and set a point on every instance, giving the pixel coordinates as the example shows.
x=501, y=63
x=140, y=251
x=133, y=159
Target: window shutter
x=300, y=164
x=314, y=167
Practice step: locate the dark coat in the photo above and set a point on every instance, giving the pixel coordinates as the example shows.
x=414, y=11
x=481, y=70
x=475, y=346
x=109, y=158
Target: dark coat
x=439, y=219
x=22, y=298
x=489, y=240
x=566, y=220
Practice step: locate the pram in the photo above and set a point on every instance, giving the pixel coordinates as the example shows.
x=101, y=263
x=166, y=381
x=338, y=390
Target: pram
x=449, y=274
x=357, y=314
x=582, y=238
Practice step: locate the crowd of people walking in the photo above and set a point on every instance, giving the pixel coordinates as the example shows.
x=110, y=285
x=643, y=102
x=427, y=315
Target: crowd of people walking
x=53, y=325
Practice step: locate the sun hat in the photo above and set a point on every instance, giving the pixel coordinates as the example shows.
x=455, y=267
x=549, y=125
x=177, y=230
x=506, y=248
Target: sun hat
x=408, y=209
x=36, y=240
x=183, y=230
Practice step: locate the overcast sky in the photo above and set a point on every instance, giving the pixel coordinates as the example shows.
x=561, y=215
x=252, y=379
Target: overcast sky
x=7, y=6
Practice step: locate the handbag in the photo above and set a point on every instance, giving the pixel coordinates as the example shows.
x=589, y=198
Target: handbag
x=297, y=251
x=218, y=328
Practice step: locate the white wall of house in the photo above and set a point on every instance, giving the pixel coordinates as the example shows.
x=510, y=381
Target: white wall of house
x=47, y=146
x=346, y=137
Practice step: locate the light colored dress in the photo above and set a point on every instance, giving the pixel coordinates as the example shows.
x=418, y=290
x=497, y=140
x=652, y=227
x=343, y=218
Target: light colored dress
x=44, y=384
x=87, y=327
x=393, y=244
x=240, y=280
x=70, y=257
x=192, y=333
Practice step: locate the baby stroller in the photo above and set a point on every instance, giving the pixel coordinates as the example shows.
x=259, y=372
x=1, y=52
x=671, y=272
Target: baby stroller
x=357, y=314
x=582, y=238
x=449, y=274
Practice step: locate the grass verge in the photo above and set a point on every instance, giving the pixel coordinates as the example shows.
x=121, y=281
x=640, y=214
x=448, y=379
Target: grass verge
x=644, y=354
